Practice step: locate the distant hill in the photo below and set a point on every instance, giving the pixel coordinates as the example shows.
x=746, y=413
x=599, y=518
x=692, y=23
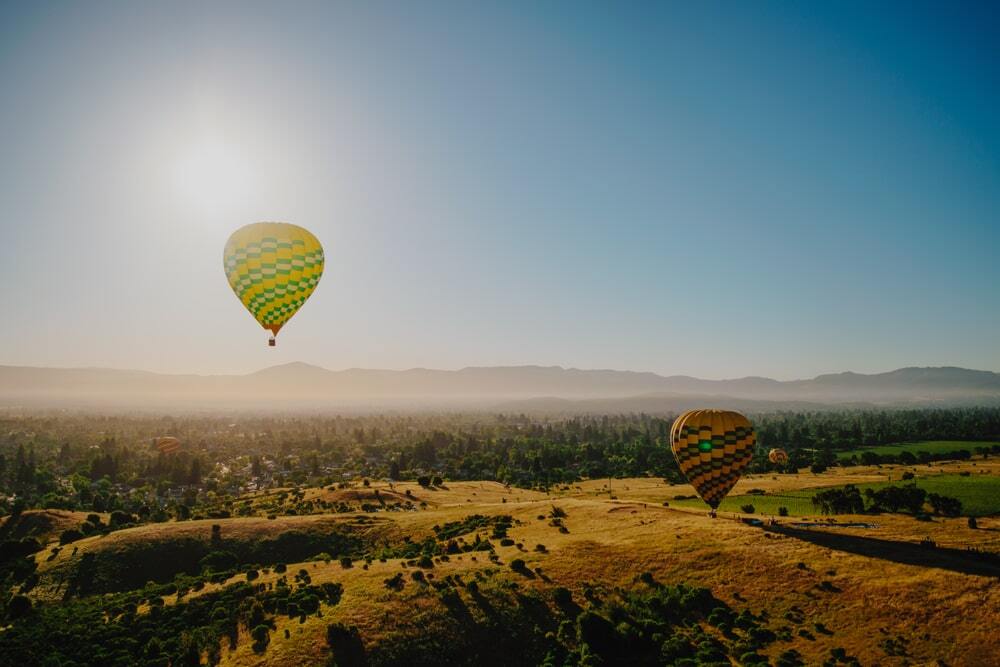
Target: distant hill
x=529, y=388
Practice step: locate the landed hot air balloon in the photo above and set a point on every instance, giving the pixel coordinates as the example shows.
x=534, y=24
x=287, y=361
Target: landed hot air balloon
x=273, y=267
x=167, y=444
x=712, y=448
x=778, y=456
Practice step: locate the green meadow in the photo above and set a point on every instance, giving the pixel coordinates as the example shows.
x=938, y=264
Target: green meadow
x=931, y=446
x=980, y=496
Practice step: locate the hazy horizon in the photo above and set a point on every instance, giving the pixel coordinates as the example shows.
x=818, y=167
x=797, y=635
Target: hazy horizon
x=491, y=367
x=712, y=190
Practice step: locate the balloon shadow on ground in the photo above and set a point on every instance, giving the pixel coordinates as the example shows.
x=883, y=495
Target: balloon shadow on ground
x=983, y=564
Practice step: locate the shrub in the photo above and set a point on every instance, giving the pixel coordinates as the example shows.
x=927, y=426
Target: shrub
x=506, y=542
x=70, y=535
x=747, y=509
x=252, y=575
x=260, y=634
x=437, y=481
x=945, y=505
x=280, y=568
x=219, y=561
x=972, y=523
x=424, y=480
x=782, y=511
x=345, y=642
x=119, y=518
x=907, y=476
x=18, y=606
x=562, y=596
x=847, y=500
x=346, y=562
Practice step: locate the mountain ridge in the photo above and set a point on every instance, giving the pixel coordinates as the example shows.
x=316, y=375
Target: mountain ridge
x=301, y=384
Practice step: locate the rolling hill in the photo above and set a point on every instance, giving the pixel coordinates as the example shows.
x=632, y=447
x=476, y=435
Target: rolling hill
x=527, y=388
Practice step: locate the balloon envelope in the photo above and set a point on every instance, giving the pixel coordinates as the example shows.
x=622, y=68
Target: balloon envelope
x=778, y=456
x=273, y=267
x=712, y=448
x=168, y=444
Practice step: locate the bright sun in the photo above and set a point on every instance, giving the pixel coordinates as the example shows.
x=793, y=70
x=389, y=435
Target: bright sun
x=212, y=175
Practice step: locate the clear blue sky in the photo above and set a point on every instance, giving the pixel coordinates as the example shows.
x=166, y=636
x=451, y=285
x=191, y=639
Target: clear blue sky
x=710, y=189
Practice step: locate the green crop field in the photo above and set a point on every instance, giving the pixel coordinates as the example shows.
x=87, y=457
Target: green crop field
x=932, y=446
x=980, y=496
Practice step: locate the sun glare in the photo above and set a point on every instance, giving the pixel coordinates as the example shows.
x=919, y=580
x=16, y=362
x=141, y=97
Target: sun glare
x=211, y=175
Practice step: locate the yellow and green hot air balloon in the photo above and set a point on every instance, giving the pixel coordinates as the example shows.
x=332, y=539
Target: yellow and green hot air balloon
x=712, y=448
x=273, y=267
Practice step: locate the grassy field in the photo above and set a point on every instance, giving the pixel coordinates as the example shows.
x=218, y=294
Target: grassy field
x=932, y=446
x=980, y=496
x=613, y=536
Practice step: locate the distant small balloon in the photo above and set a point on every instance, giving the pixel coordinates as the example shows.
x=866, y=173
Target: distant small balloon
x=167, y=444
x=778, y=456
x=712, y=448
x=273, y=267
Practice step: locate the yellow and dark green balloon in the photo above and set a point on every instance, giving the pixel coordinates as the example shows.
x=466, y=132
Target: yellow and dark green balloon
x=273, y=267
x=712, y=448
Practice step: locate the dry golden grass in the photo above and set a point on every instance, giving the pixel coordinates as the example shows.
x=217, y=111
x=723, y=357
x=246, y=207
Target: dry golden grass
x=943, y=613
x=879, y=583
x=44, y=525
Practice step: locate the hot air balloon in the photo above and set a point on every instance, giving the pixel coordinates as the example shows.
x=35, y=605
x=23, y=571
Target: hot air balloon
x=273, y=267
x=778, y=456
x=712, y=448
x=167, y=444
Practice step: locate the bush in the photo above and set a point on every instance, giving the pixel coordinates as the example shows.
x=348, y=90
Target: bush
x=219, y=561
x=782, y=511
x=747, y=509
x=424, y=480
x=119, y=518
x=346, y=562
x=18, y=606
x=562, y=596
x=345, y=642
x=280, y=568
x=945, y=505
x=70, y=535
x=260, y=634
x=252, y=575
x=847, y=500
x=907, y=476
